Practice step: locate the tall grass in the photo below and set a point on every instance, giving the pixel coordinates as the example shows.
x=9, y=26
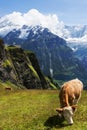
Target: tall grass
x=35, y=110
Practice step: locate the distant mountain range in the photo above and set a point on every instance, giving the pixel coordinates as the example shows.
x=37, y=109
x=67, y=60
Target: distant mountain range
x=56, y=59
x=61, y=53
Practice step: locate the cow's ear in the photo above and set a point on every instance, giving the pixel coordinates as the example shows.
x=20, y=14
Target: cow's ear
x=74, y=107
x=59, y=110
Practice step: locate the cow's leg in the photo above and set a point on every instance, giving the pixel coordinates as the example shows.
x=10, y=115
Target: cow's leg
x=76, y=99
x=72, y=100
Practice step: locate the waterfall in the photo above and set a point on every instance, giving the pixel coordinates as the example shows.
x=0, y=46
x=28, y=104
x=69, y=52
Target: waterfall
x=51, y=70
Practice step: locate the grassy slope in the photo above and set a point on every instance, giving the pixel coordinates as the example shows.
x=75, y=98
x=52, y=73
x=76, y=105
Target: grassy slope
x=35, y=110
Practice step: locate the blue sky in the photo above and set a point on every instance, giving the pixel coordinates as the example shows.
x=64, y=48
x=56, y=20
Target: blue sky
x=68, y=11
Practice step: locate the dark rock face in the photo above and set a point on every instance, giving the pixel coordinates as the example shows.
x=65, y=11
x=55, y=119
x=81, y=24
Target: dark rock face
x=36, y=66
x=2, y=51
x=17, y=67
x=3, y=72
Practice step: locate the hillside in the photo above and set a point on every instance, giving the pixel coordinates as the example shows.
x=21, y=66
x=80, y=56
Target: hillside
x=20, y=67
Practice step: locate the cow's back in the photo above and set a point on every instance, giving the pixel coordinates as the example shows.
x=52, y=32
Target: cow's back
x=70, y=90
x=74, y=86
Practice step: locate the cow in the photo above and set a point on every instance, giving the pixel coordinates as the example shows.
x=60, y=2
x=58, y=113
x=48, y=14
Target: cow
x=8, y=88
x=69, y=96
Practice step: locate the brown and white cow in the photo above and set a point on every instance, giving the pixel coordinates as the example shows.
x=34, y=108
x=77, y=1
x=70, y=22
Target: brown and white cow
x=69, y=96
x=8, y=88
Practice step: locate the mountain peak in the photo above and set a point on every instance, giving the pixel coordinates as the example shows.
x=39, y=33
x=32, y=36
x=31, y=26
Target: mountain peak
x=16, y=20
x=32, y=18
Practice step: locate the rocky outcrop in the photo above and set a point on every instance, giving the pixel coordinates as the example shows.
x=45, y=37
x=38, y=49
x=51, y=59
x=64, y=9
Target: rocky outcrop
x=20, y=67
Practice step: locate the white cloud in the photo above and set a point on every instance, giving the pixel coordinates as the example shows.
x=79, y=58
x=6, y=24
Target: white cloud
x=34, y=17
x=78, y=41
x=14, y=18
x=50, y=21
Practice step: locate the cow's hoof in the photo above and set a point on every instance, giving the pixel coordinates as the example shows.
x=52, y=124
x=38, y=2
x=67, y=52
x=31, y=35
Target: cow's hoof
x=71, y=124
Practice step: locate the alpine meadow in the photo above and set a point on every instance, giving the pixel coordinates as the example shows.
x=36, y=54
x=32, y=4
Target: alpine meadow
x=36, y=110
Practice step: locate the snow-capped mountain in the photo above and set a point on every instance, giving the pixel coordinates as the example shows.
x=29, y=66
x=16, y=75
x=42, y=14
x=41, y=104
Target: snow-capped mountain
x=31, y=18
x=77, y=35
x=16, y=20
x=43, y=34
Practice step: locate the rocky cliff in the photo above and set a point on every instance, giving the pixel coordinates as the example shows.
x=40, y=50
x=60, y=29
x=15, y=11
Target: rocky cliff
x=20, y=67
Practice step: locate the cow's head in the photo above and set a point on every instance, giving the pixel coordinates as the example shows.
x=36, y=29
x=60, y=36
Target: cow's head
x=67, y=112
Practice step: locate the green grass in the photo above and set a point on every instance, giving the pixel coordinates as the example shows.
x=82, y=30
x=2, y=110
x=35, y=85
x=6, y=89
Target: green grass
x=6, y=63
x=34, y=71
x=35, y=110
